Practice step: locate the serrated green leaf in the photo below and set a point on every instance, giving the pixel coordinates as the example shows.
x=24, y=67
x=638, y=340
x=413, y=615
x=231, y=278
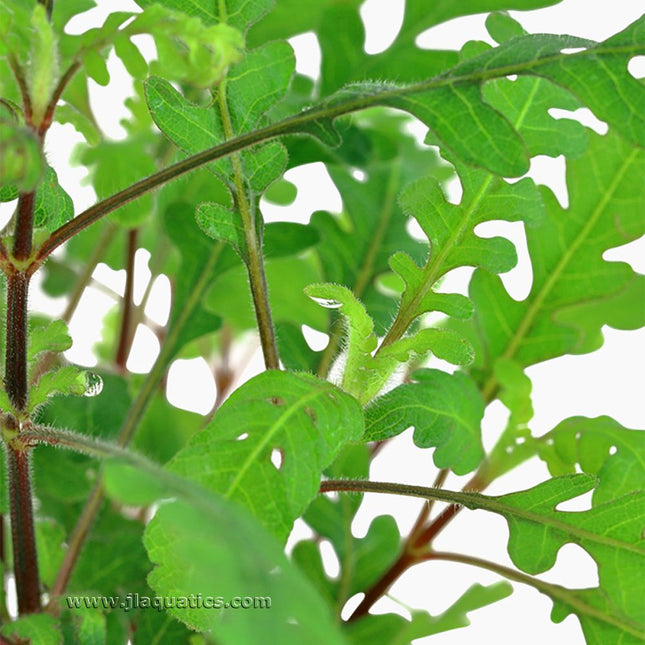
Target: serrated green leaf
x=611, y=533
x=356, y=246
x=305, y=419
x=51, y=338
x=446, y=412
x=249, y=95
x=65, y=380
x=453, y=243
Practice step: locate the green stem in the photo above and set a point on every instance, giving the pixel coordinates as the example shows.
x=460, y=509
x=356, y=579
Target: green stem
x=125, y=335
x=255, y=260
x=556, y=592
x=475, y=501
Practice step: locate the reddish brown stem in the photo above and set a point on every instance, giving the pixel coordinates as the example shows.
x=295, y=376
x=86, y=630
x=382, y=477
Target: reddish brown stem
x=22, y=532
x=380, y=588
x=24, y=226
x=125, y=337
x=16, y=346
x=20, y=497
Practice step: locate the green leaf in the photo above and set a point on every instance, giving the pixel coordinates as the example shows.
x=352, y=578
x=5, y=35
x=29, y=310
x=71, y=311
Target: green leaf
x=574, y=291
x=186, y=564
x=90, y=626
x=178, y=426
x=453, y=242
x=287, y=277
x=42, y=70
x=611, y=533
x=223, y=225
x=113, y=559
x=54, y=337
x=281, y=193
x=304, y=419
x=361, y=560
x=37, y=628
x=115, y=165
x=356, y=246
x=65, y=380
x=200, y=263
x=238, y=13
x=601, y=447
x=159, y=627
x=253, y=86
x=21, y=161
x=446, y=412
x=525, y=102
x=63, y=480
x=50, y=537
x=502, y=27
x=52, y=205
x=397, y=630
x=340, y=32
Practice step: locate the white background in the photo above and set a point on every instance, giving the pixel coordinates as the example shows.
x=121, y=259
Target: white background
x=609, y=381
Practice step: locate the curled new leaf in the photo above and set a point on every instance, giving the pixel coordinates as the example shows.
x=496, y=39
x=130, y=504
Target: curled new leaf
x=366, y=373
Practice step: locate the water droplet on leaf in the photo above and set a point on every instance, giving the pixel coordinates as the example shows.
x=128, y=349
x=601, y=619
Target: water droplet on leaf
x=327, y=302
x=94, y=384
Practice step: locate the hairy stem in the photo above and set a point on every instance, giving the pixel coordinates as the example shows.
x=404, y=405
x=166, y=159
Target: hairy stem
x=24, y=229
x=305, y=122
x=255, y=258
x=22, y=532
x=125, y=335
x=20, y=495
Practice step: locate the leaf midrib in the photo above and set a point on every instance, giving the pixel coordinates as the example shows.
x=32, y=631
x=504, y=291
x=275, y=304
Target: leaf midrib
x=538, y=301
x=270, y=434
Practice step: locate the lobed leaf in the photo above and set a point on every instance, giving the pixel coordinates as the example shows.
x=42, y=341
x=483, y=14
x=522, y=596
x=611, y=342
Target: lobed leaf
x=305, y=420
x=367, y=371
x=397, y=630
x=574, y=291
x=602, y=447
x=445, y=411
